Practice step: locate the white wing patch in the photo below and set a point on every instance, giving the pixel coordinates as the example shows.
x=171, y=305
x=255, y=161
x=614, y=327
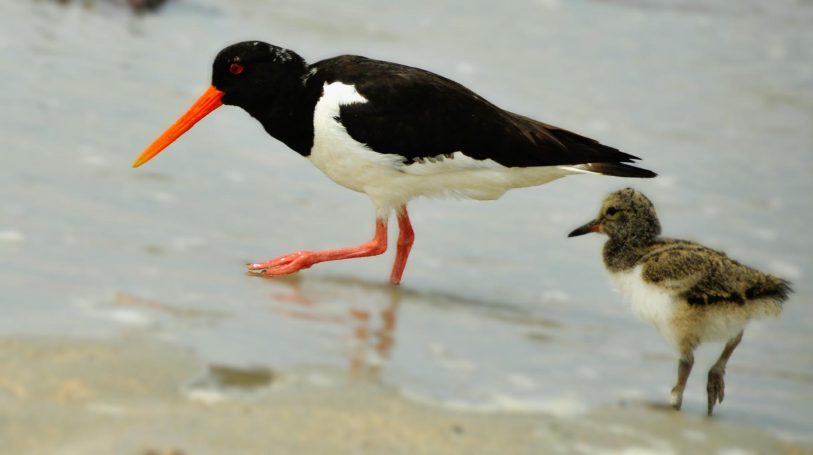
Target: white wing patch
x=452, y=162
x=579, y=169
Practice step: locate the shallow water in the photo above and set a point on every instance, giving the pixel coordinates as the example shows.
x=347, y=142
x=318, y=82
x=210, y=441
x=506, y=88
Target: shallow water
x=508, y=314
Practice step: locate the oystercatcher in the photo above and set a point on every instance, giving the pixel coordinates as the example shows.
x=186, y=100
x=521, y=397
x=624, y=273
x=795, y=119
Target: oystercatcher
x=392, y=132
x=691, y=293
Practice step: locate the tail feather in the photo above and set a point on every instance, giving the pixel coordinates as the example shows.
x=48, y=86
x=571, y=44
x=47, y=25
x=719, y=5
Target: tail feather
x=766, y=297
x=574, y=152
x=595, y=157
x=772, y=288
x=615, y=169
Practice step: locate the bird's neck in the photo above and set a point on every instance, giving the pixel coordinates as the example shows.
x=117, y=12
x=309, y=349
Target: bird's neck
x=621, y=254
x=288, y=117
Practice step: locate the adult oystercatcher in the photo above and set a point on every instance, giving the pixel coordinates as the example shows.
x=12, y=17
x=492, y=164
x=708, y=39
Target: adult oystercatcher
x=691, y=293
x=392, y=132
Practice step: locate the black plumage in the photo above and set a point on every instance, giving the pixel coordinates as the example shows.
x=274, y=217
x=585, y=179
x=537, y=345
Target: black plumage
x=412, y=113
x=390, y=131
x=420, y=115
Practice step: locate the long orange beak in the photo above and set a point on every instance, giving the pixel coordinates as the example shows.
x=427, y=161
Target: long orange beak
x=209, y=101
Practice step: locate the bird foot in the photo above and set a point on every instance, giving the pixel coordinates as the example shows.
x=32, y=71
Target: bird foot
x=676, y=399
x=284, y=265
x=715, y=388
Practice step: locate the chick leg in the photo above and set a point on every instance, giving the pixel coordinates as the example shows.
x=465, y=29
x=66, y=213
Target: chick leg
x=716, y=386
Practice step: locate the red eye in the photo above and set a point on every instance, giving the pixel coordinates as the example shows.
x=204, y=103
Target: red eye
x=236, y=68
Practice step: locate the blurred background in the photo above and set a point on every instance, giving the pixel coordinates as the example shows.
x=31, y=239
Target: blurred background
x=499, y=312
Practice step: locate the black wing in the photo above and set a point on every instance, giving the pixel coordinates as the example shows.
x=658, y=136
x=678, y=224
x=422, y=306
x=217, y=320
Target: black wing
x=417, y=114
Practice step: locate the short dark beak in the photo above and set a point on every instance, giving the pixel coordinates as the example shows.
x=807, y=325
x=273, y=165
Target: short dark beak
x=593, y=226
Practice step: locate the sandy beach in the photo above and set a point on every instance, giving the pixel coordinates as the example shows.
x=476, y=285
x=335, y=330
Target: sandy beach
x=137, y=397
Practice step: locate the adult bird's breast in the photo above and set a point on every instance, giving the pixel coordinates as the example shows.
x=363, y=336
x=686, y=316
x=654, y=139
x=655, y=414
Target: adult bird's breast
x=346, y=161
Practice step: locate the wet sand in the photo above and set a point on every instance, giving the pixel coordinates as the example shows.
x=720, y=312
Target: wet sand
x=133, y=396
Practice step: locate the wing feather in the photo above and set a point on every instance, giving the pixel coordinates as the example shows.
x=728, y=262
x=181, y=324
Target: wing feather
x=420, y=115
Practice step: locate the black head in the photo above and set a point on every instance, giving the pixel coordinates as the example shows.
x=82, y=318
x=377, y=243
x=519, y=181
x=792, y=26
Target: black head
x=254, y=73
x=626, y=215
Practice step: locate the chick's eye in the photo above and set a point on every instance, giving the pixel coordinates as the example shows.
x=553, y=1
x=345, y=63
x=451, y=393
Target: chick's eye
x=612, y=211
x=236, y=68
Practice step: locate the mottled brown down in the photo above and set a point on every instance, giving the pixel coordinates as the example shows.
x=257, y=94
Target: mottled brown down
x=710, y=293
x=701, y=275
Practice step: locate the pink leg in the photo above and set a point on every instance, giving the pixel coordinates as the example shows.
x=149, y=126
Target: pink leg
x=293, y=262
x=406, y=237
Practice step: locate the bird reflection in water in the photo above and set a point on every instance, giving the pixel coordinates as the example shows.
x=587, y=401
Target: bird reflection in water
x=372, y=330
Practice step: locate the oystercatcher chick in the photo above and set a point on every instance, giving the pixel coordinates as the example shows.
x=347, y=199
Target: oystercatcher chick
x=392, y=132
x=690, y=293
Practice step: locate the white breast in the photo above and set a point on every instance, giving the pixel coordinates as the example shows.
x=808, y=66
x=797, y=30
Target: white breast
x=345, y=160
x=649, y=302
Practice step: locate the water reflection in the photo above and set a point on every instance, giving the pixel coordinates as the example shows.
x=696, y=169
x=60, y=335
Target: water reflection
x=369, y=325
x=138, y=6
